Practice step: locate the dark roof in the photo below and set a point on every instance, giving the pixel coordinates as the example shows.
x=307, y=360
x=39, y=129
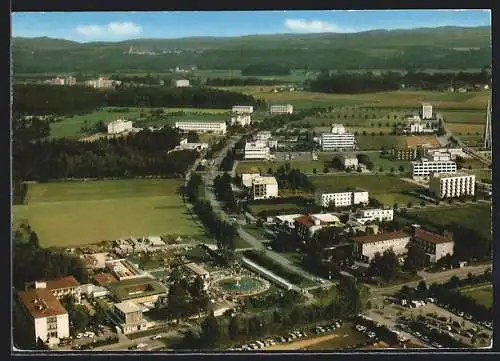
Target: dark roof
x=431, y=237
x=40, y=302
x=379, y=237
x=60, y=283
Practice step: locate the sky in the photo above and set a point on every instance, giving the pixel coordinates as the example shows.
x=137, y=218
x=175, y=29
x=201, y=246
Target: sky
x=116, y=26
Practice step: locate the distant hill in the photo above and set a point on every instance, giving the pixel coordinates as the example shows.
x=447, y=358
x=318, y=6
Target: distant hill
x=444, y=47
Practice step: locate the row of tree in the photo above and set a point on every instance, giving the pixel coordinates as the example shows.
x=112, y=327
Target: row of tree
x=239, y=82
x=62, y=100
x=294, y=179
x=224, y=191
x=351, y=83
x=266, y=70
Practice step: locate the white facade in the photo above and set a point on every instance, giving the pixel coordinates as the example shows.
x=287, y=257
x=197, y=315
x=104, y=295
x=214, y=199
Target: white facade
x=340, y=199
x=281, y=109
x=264, y=188
x=256, y=150
x=378, y=214
x=247, y=179
x=337, y=129
x=365, y=247
x=416, y=128
x=242, y=109
x=437, y=156
x=264, y=135
x=100, y=83
x=426, y=111
x=181, y=83
x=452, y=185
x=452, y=152
x=286, y=222
x=52, y=328
x=241, y=119
x=202, y=127
x=435, y=246
x=349, y=161
x=424, y=167
x=119, y=126
x=337, y=141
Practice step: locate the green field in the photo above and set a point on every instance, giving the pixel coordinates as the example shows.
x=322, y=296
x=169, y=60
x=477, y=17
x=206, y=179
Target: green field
x=295, y=76
x=303, y=166
x=474, y=216
x=75, y=213
x=482, y=295
x=387, y=189
x=376, y=142
x=287, y=207
x=70, y=127
x=464, y=116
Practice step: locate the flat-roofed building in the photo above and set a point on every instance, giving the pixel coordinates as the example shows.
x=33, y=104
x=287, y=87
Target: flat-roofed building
x=122, y=269
x=349, y=160
x=242, y=109
x=340, y=199
x=452, y=185
x=378, y=214
x=427, y=111
x=264, y=135
x=434, y=245
x=180, y=83
x=264, y=188
x=423, y=168
x=286, y=223
x=138, y=290
x=257, y=150
x=130, y=316
x=306, y=226
x=241, y=119
x=247, y=179
x=119, y=126
x=404, y=153
x=45, y=317
x=281, y=109
x=338, y=139
x=197, y=270
x=365, y=247
x=337, y=129
x=202, y=127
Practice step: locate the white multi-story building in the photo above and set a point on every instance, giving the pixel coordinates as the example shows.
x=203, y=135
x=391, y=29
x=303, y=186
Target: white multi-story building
x=434, y=245
x=337, y=139
x=365, y=247
x=286, y=223
x=70, y=81
x=100, y=83
x=378, y=214
x=60, y=287
x=242, y=109
x=281, y=109
x=349, y=160
x=424, y=167
x=306, y=226
x=264, y=135
x=44, y=315
x=340, y=199
x=257, y=150
x=264, y=187
x=180, y=83
x=452, y=185
x=247, y=179
x=426, y=111
x=241, y=119
x=437, y=156
x=452, y=152
x=119, y=126
x=130, y=316
x=337, y=129
x=202, y=127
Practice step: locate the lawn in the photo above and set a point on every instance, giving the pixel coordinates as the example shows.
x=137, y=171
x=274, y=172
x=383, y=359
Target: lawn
x=263, y=166
x=279, y=208
x=464, y=116
x=376, y=142
x=385, y=188
x=481, y=174
x=474, y=216
x=482, y=295
x=470, y=129
x=75, y=213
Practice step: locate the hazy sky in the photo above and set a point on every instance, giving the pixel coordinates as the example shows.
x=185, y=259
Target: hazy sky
x=111, y=26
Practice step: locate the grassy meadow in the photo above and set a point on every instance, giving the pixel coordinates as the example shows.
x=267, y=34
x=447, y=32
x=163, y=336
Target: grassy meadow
x=483, y=295
x=74, y=212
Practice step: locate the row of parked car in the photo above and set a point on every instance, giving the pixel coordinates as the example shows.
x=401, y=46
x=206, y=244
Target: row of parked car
x=419, y=335
x=487, y=324
x=364, y=330
x=286, y=338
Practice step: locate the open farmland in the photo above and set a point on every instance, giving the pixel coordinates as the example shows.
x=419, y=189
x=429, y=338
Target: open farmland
x=263, y=166
x=387, y=189
x=277, y=208
x=413, y=141
x=460, y=129
x=483, y=295
x=474, y=216
x=376, y=142
x=476, y=116
x=73, y=213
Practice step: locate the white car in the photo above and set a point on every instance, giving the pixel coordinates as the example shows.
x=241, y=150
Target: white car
x=141, y=345
x=156, y=337
x=79, y=335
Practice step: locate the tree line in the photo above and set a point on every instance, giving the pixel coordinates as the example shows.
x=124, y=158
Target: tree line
x=266, y=70
x=351, y=83
x=62, y=100
x=226, y=82
x=141, y=154
x=224, y=191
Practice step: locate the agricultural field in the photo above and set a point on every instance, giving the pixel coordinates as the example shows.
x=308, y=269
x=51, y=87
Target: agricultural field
x=295, y=76
x=481, y=174
x=76, y=213
x=263, y=166
x=385, y=188
x=460, y=129
x=413, y=141
x=394, y=99
x=474, y=216
x=70, y=127
x=283, y=208
x=376, y=142
x=468, y=116
x=483, y=295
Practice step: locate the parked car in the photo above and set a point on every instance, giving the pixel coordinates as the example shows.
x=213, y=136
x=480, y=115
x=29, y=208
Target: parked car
x=156, y=337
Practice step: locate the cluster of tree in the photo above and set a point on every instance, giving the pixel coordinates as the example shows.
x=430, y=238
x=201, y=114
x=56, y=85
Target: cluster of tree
x=239, y=82
x=184, y=297
x=416, y=258
x=268, y=69
x=140, y=154
x=301, y=205
x=352, y=83
x=234, y=329
x=275, y=121
x=273, y=266
x=224, y=232
x=215, y=148
x=60, y=100
x=228, y=161
x=283, y=300
x=385, y=266
x=79, y=315
x=224, y=191
x=294, y=179
x=365, y=159
x=32, y=263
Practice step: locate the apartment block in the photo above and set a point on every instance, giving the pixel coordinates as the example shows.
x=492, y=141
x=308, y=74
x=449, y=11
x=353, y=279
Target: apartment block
x=242, y=109
x=365, y=247
x=340, y=199
x=306, y=226
x=349, y=160
x=202, y=127
x=452, y=185
x=434, y=245
x=377, y=214
x=264, y=188
x=119, y=126
x=281, y=109
x=256, y=150
x=130, y=316
x=427, y=111
x=241, y=119
x=404, y=153
x=423, y=168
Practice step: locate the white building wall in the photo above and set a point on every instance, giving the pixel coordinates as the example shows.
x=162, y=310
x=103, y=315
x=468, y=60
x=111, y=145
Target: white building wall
x=442, y=249
x=426, y=111
x=281, y=109
x=332, y=141
x=398, y=245
x=360, y=197
x=242, y=120
x=182, y=83
x=247, y=179
x=242, y=109
x=424, y=168
x=452, y=187
x=215, y=127
x=379, y=214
